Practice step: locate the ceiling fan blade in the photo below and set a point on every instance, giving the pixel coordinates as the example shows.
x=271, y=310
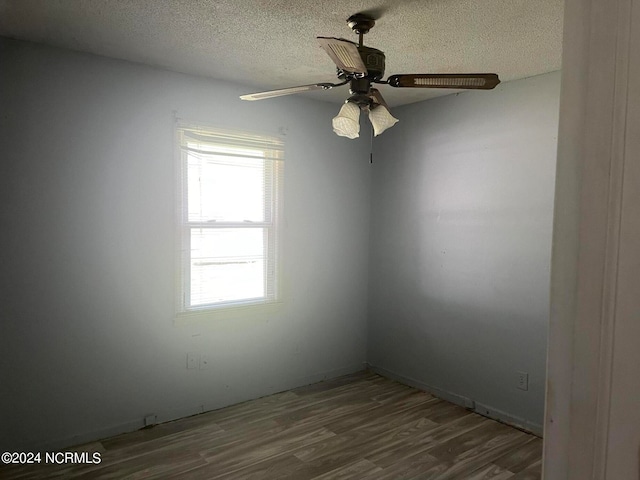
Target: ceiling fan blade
x=377, y=98
x=288, y=91
x=376, y=12
x=481, y=81
x=344, y=54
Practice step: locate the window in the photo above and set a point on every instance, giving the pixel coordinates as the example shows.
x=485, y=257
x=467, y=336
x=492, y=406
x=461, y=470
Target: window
x=230, y=202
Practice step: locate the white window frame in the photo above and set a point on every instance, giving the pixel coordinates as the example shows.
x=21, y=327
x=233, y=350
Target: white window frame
x=272, y=148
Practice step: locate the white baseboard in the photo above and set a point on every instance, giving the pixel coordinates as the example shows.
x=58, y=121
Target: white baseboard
x=59, y=444
x=181, y=412
x=484, y=410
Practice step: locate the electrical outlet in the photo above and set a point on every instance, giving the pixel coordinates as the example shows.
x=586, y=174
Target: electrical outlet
x=193, y=360
x=204, y=361
x=523, y=380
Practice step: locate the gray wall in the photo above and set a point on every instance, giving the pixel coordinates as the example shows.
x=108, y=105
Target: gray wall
x=462, y=205
x=457, y=252
x=87, y=335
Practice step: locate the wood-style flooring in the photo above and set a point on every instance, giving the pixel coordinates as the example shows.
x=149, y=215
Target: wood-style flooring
x=360, y=426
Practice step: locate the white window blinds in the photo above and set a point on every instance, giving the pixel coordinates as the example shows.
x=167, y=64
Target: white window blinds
x=230, y=207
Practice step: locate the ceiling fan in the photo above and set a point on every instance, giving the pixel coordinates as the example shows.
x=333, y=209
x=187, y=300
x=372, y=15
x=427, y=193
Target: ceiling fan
x=362, y=67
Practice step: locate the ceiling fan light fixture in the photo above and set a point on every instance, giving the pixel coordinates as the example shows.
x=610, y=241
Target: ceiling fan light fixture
x=347, y=122
x=381, y=119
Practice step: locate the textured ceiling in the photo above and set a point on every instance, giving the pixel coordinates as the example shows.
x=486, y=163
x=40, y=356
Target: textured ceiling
x=268, y=44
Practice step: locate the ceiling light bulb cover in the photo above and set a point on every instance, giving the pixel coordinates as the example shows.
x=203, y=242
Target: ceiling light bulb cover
x=381, y=119
x=347, y=122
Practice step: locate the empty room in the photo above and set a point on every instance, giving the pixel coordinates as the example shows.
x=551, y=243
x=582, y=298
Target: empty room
x=319, y=240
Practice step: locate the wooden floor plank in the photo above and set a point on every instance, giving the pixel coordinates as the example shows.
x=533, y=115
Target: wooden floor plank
x=360, y=426
x=356, y=470
x=253, y=452
x=334, y=382
x=490, y=472
x=342, y=393
x=340, y=454
x=280, y=467
x=533, y=472
x=409, y=467
x=521, y=458
x=464, y=461
x=419, y=444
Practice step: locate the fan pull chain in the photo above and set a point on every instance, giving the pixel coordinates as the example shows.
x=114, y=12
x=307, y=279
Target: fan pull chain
x=371, y=148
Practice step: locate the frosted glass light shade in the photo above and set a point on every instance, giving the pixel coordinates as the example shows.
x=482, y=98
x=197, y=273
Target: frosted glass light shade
x=347, y=122
x=381, y=119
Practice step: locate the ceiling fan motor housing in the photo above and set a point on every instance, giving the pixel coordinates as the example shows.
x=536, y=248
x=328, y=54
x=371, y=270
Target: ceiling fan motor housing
x=374, y=61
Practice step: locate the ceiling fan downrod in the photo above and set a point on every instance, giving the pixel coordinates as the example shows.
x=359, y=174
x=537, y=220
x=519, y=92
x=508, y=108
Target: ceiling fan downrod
x=361, y=24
